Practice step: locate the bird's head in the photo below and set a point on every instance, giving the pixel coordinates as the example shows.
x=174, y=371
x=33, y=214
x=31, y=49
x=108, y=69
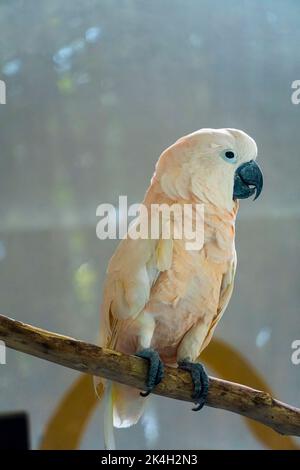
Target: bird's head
x=215, y=165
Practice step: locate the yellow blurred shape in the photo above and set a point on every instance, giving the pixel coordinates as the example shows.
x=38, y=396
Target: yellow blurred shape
x=68, y=423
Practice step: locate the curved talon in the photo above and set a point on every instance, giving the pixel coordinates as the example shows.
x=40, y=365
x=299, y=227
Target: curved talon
x=200, y=381
x=156, y=369
x=200, y=405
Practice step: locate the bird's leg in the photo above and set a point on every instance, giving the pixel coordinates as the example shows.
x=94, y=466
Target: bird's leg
x=145, y=323
x=156, y=369
x=200, y=381
x=187, y=354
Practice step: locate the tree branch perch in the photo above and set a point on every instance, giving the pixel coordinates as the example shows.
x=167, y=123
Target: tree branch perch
x=131, y=370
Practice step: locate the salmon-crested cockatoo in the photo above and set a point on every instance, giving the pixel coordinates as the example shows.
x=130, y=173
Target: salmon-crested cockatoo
x=162, y=302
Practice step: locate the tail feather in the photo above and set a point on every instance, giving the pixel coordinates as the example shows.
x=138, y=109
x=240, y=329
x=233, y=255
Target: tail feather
x=109, y=439
x=128, y=405
x=123, y=407
x=103, y=389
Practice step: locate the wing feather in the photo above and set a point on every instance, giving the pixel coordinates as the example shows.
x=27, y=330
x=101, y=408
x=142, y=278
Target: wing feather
x=225, y=295
x=132, y=272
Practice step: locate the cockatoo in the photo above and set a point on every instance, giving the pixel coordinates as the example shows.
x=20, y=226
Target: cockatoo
x=161, y=301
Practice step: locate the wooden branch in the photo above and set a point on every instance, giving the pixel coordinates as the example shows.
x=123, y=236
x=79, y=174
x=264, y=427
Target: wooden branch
x=131, y=370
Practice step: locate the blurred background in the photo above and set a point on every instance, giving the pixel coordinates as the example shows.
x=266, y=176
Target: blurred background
x=96, y=89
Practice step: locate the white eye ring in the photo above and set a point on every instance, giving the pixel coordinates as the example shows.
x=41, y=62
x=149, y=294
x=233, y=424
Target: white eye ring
x=229, y=156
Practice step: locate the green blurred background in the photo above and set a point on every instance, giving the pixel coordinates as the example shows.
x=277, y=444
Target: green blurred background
x=95, y=91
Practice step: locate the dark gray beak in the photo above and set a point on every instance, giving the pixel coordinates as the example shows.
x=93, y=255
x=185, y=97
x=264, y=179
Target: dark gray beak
x=248, y=180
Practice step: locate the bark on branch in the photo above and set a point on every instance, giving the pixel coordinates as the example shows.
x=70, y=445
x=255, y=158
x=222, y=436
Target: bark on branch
x=131, y=370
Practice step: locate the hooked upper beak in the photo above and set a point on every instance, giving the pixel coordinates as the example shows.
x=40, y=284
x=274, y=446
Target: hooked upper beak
x=248, y=180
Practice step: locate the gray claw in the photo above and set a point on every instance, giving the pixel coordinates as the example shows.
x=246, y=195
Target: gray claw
x=156, y=369
x=200, y=380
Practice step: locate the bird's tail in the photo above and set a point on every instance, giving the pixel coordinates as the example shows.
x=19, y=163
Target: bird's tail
x=123, y=407
x=103, y=389
x=108, y=428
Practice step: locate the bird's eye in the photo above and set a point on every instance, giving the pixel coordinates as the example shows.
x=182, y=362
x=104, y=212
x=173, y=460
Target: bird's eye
x=229, y=156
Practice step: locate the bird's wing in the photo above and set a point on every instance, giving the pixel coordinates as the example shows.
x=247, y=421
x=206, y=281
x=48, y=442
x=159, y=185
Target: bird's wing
x=225, y=295
x=132, y=271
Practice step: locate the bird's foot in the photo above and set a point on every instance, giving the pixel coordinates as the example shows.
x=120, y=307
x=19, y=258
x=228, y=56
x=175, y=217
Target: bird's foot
x=200, y=380
x=156, y=369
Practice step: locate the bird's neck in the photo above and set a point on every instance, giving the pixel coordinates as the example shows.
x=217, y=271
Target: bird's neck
x=225, y=209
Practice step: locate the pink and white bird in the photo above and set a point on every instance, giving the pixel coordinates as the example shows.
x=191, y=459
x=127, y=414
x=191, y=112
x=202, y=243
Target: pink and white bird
x=162, y=301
